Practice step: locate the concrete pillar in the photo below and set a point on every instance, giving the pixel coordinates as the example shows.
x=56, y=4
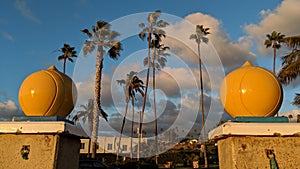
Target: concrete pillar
x=39, y=145
x=244, y=145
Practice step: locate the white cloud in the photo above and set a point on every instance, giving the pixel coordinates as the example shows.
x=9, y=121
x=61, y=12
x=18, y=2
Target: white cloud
x=284, y=19
x=85, y=90
x=232, y=54
x=26, y=11
x=8, y=109
x=172, y=81
x=264, y=13
x=7, y=36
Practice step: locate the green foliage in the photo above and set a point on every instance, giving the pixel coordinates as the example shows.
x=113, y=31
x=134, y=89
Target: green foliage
x=290, y=69
x=200, y=34
x=102, y=36
x=67, y=53
x=274, y=39
x=296, y=101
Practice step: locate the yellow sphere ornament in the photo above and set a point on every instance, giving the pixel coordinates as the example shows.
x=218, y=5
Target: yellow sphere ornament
x=251, y=91
x=47, y=93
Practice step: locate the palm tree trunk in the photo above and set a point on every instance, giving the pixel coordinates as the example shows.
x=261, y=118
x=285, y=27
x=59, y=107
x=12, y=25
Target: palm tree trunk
x=274, y=62
x=97, y=102
x=132, y=125
x=139, y=137
x=154, y=107
x=121, y=131
x=90, y=122
x=146, y=90
x=202, y=105
x=64, y=67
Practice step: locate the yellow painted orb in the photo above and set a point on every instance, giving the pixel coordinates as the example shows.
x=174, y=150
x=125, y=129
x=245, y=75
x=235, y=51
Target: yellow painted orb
x=47, y=93
x=251, y=91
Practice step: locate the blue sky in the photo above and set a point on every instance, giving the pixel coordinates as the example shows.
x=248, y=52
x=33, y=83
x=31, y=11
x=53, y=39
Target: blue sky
x=31, y=30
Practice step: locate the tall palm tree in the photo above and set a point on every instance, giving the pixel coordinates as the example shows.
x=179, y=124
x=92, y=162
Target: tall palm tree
x=131, y=85
x=101, y=38
x=200, y=36
x=153, y=26
x=67, y=53
x=274, y=39
x=290, y=69
x=158, y=62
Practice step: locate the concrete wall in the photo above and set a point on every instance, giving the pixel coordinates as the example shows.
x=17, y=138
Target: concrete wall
x=248, y=152
x=47, y=151
x=67, y=152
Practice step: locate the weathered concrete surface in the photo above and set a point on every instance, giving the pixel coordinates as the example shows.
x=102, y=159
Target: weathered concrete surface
x=47, y=151
x=68, y=153
x=248, y=152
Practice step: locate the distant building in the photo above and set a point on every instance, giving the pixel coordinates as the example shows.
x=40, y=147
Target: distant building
x=294, y=116
x=110, y=144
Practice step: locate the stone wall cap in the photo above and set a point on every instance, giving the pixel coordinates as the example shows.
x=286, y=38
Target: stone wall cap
x=40, y=127
x=254, y=129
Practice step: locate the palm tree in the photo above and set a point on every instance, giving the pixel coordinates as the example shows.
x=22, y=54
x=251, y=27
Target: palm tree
x=274, y=40
x=290, y=69
x=158, y=62
x=101, y=37
x=153, y=26
x=200, y=36
x=86, y=114
x=132, y=84
x=67, y=53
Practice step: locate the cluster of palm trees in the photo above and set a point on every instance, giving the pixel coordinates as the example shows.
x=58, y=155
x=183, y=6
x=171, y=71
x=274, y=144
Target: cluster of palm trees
x=131, y=85
x=290, y=68
x=103, y=39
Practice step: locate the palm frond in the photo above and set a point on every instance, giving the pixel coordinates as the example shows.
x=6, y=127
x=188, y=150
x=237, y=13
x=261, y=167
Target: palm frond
x=141, y=25
x=274, y=39
x=80, y=113
x=71, y=60
x=142, y=34
x=86, y=31
x=290, y=71
x=84, y=107
x=162, y=24
x=268, y=43
x=114, y=51
x=193, y=36
x=103, y=113
x=156, y=66
x=88, y=47
x=75, y=118
x=159, y=32
x=121, y=82
x=296, y=101
x=61, y=57
x=152, y=17
x=205, y=39
x=114, y=34
x=145, y=61
x=292, y=41
x=291, y=57
x=90, y=104
x=102, y=24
